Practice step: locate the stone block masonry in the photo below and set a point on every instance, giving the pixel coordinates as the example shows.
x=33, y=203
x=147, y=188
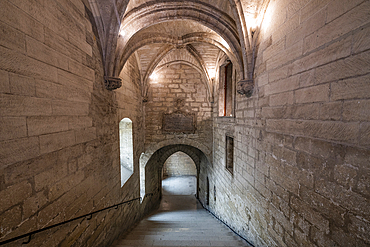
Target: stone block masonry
x=189, y=95
x=179, y=164
x=59, y=155
x=302, y=146
x=301, y=142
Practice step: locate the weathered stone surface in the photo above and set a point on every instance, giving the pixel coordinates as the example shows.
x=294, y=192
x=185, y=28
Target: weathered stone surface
x=12, y=38
x=15, y=105
x=18, y=150
x=14, y=194
x=344, y=68
x=324, y=206
x=22, y=85
x=361, y=43
x=41, y=52
x=4, y=82
x=331, y=130
x=309, y=23
x=16, y=18
x=70, y=108
x=334, y=51
x=331, y=111
x=347, y=22
x=351, y=88
x=179, y=164
x=34, y=204
x=361, y=227
x=336, y=9
x=284, y=85
x=301, y=143
x=344, y=197
x=46, y=125
x=356, y=110
x=310, y=215
x=281, y=99
x=10, y=218
x=53, y=142
x=318, y=93
x=364, y=135
x=12, y=128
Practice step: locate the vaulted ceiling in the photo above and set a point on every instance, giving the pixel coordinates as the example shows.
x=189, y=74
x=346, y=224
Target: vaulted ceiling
x=197, y=32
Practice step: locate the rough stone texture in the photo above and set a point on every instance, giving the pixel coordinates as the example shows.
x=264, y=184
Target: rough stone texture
x=301, y=141
x=301, y=146
x=178, y=87
x=59, y=128
x=179, y=164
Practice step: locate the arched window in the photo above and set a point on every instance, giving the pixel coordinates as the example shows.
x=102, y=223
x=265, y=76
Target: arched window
x=126, y=149
x=142, y=177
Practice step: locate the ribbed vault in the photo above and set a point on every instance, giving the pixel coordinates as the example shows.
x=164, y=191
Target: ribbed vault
x=203, y=27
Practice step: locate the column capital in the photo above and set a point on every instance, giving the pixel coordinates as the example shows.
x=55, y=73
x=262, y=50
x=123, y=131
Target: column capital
x=245, y=87
x=112, y=83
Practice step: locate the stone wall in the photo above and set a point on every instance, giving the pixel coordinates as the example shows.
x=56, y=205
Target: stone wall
x=59, y=150
x=178, y=87
x=301, y=171
x=301, y=142
x=179, y=164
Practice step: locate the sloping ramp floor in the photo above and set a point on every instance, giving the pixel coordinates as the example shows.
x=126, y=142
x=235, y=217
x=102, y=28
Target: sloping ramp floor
x=180, y=221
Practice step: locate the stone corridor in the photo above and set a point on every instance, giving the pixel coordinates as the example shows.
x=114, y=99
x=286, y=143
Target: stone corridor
x=267, y=102
x=180, y=221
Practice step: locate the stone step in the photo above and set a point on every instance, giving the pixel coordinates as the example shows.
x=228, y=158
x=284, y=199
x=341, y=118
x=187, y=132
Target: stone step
x=178, y=243
x=180, y=221
x=179, y=237
x=232, y=245
x=192, y=233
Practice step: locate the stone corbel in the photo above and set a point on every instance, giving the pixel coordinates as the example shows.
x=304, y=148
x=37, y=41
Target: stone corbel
x=245, y=87
x=112, y=83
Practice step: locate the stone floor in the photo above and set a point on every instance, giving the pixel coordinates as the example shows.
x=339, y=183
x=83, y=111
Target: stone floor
x=180, y=221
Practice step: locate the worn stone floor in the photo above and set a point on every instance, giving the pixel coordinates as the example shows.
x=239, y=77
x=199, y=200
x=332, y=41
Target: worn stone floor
x=180, y=221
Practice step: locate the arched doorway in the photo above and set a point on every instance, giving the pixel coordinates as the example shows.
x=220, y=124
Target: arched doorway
x=156, y=161
x=179, y=175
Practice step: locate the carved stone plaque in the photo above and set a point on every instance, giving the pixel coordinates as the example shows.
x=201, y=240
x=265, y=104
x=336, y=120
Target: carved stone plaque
x=178, y=122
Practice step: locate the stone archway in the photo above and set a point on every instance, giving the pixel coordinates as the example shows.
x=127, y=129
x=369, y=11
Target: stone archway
x=153, y=168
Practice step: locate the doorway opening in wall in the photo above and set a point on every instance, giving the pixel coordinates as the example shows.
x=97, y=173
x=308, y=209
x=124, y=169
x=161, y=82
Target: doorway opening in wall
x=126, y=150
x=179, y=175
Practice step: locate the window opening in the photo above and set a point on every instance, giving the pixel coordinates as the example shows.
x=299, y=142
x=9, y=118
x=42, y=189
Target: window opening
x=214, y=193
x=126, y=150
x=226, y=90
x=207, y=196
x=142, y=177
x=230, y=154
